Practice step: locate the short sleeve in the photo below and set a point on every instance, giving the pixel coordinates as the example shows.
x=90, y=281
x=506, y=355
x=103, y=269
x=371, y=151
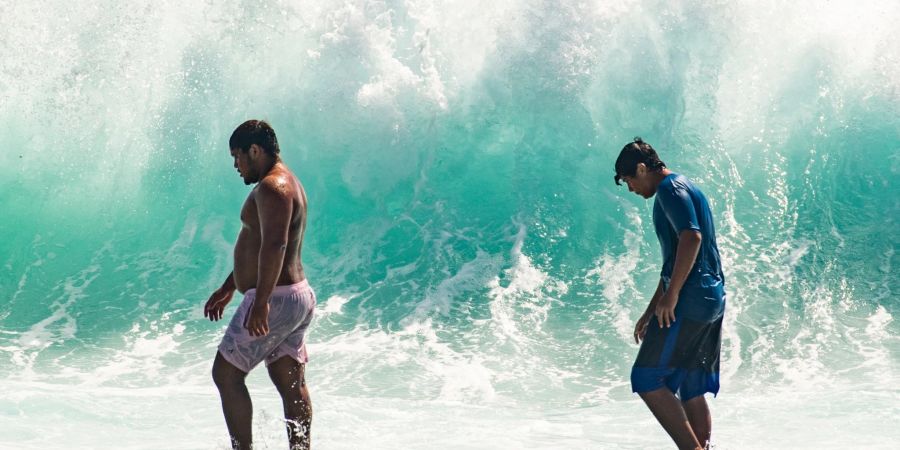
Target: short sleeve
x=679, y=208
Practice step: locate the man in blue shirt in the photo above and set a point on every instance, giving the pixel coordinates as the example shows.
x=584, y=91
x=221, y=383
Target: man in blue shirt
x=681, y=329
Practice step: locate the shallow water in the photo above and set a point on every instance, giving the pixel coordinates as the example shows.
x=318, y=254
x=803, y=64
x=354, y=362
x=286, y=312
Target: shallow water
x=478, y=272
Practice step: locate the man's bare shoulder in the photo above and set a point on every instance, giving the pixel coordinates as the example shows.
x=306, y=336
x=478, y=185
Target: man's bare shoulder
x=280, y=183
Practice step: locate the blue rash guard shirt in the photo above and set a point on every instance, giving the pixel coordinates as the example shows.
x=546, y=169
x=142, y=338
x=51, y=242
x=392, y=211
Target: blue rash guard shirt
x=682, y=206
x=685, y=357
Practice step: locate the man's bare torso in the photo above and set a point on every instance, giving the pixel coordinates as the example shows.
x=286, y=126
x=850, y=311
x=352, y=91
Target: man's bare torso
x=247, y=248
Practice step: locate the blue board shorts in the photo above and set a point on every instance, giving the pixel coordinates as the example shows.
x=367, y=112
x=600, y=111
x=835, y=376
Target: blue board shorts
x=683, y=357
x=291, y=310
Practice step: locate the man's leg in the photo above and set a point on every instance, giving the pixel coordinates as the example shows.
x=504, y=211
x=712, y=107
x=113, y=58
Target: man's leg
x=698, y=415
x=288, y=376
x=235, y=402
x=668, y=411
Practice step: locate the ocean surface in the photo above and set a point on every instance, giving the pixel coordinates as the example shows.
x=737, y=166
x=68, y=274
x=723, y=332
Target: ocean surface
x=478, y=272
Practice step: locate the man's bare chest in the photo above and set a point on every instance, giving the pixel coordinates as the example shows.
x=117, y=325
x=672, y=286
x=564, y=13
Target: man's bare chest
x=250, y=213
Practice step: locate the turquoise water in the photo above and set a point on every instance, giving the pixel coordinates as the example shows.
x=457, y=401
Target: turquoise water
x=478, y=271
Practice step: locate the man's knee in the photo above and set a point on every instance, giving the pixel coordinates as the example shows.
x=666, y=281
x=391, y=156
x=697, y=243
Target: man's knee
x=662, y=392
x=287, y=374
x=226, y=375
x=695, y=402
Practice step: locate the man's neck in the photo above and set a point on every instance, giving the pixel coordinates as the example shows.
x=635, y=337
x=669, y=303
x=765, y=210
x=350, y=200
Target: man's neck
x=268, y=166
x=658, y=177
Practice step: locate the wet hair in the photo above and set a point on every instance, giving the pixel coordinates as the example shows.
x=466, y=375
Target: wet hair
x=634, y=153
x=257, y=132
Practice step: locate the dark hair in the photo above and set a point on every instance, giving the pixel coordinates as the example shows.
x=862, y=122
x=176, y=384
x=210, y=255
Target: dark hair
x=254, y=132
x=634, y=153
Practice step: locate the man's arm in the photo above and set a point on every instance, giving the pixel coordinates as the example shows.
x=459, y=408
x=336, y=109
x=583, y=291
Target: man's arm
x=228, y=284
x=215, y=306
x=274, y=205
x=640, y=328
x=685, y=255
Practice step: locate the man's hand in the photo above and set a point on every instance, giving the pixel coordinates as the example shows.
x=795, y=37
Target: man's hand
x=640, y=329
x=215, y=306
x=665, y=309
x=258, y=320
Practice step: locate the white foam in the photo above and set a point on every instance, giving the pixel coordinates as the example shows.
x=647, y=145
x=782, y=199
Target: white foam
x=334, y=304
x=615, y=274
x=59, y=326
x=519, y=309
x=472, y=275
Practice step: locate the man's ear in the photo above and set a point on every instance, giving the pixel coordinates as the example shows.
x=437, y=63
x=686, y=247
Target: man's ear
x=254, y=151
x=640, y=170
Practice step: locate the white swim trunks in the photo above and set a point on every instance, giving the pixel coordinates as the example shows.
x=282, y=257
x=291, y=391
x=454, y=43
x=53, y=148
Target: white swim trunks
x=291, y=310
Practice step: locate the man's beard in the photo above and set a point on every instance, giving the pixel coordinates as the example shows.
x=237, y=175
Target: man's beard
x=250, y=179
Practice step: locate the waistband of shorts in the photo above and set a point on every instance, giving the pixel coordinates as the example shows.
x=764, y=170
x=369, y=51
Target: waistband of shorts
x=284, y=291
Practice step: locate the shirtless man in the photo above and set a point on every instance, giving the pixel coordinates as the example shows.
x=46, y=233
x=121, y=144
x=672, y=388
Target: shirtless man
x=271, y=322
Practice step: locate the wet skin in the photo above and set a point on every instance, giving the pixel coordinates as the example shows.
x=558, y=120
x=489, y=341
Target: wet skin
x=267, y=253
x=276, y=187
